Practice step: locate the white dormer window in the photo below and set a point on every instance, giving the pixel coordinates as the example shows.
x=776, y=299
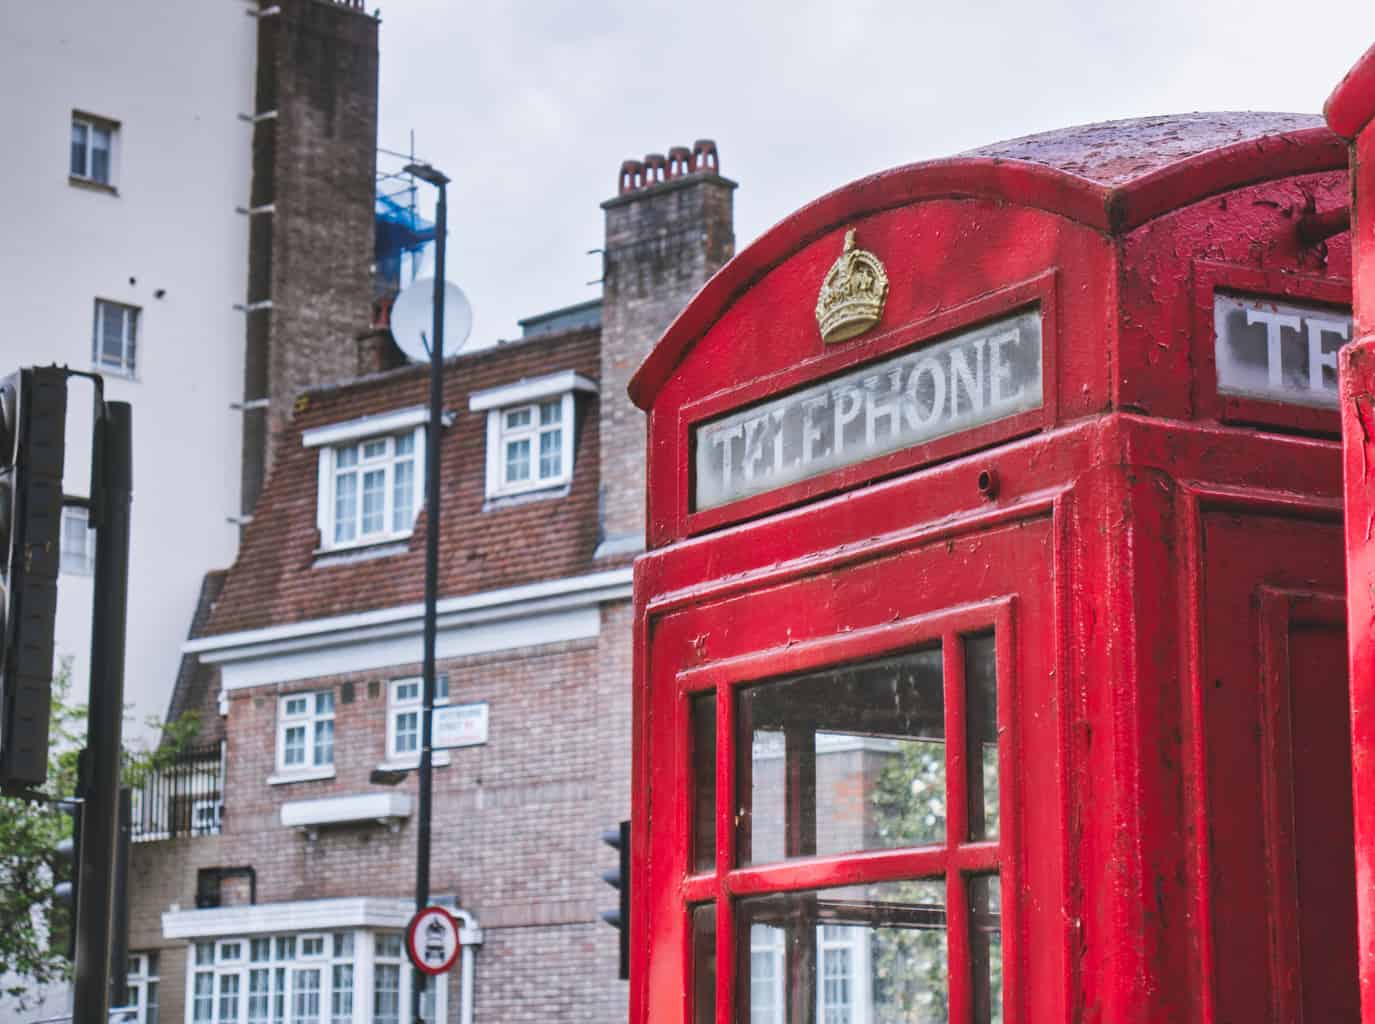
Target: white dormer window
x=371, y=472
x=530, y=432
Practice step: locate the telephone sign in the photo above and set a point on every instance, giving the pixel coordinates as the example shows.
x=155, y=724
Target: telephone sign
x=432, y=940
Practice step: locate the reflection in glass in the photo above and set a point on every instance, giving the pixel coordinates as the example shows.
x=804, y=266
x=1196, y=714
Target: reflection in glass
x=704, y=782
x=843, y=759
x=986, y=948
x=704, y=963
x=981, y=686
x=856, y=955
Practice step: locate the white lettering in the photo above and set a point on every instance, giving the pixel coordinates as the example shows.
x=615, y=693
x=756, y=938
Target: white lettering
x=811, y=428
x=888, y=406
x=932, y=369
x=1317, y=358
x=972, y=382
x=848, y=403
x=1273, y=322
x=722, y=439
x=999, y=370
x=755, y=429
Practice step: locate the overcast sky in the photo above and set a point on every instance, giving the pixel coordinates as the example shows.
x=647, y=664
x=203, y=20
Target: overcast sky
x=531, y=105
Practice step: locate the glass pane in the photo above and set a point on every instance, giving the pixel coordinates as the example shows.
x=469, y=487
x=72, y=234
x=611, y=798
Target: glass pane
x=205, y=952
x=79, y=137
x=374, y=449
x=550, y=454
x=259, y=989
x=704, y=964
x=405, y=444
x=229, y=999
x=517, y=460
x=550, y=412
x=297, y=706
x=402, y=495
x=345, y=507
x=112, y=335
x=986, y=948
x=981, y=715
x=324, y=702
x=848, y=758
x=343, y=944
x=294, y=749
x=286, y=947
x=704, y=782
x=261, y=950
x=130, y=338
x=203, y=998
x=388, y=944
x=150, y=1011
x=407, y=732
x=100, y=155
x=324, y=742
x=374, y=501
x=386, y=994
x=305, y=1000
x=859, y=953
x=341, y=995
x=518, y=418
x=346, y=457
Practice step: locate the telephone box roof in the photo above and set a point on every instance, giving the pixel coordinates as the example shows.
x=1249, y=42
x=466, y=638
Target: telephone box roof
x=1112, y=176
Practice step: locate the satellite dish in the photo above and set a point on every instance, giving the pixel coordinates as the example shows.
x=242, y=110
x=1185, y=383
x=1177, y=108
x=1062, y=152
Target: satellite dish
x=412, y=319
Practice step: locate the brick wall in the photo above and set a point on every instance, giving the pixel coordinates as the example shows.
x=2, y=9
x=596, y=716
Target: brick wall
x=663, y=241
x=312, y=257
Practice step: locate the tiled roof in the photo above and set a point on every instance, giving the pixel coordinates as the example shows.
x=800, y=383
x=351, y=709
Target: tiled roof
x=280, y=577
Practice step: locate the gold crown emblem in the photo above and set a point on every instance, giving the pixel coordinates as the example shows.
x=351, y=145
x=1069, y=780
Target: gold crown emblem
x=852, y=295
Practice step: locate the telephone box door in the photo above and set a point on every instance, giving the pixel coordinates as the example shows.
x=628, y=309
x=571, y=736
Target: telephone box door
x=836, y=825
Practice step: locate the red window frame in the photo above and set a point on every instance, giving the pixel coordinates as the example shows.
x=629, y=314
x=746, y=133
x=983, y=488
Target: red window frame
x=954, y=861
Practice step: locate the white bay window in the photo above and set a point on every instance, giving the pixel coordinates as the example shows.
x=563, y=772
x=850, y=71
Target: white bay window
x=371, y=478
x=530, y=428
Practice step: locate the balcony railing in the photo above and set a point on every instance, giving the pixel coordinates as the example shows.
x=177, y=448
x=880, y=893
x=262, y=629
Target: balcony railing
x=184, y=798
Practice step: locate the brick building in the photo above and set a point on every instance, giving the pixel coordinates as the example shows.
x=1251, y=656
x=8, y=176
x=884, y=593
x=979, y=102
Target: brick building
x=277, y=876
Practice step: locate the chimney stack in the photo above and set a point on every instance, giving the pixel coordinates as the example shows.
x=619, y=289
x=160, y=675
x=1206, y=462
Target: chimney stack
x=667, y=231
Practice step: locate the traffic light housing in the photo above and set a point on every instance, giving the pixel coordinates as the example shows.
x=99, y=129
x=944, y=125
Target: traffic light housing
x=33, y=420
x=619, y=879
x=66, y=878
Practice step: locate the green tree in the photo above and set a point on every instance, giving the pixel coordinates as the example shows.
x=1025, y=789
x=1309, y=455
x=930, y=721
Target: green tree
x=31, y=830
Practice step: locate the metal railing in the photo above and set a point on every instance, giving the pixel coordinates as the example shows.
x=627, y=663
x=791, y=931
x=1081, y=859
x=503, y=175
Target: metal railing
x=183, y=798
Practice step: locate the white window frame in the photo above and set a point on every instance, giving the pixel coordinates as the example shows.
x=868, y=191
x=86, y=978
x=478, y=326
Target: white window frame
x=335, y=439
x=288, y=719
x=127, y=364
x=285, y=963
x=91, y=123
x=77, y=560
x=529, y=396
x=396, y=707
x=143, y=978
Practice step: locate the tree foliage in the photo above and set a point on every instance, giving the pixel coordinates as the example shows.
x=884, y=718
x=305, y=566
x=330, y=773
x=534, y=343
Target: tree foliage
x=30, y=831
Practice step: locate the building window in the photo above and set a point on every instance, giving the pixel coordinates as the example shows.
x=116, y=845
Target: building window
x=530, y=432
x=78, y=542
x=403, y=716
x=143, y=987
x=305, y=731
x=93, y=149
x=303, y=979
x=114, y=337
x=373, y=490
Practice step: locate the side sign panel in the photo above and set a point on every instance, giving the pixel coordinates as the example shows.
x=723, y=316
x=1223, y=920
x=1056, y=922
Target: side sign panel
x=977, y=376
x=1278, y=351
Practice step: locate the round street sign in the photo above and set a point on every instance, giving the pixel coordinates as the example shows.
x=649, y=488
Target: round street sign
x=432, y=940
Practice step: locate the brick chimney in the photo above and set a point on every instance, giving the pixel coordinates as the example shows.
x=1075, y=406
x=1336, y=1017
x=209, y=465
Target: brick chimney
x=669, y=228
x=311, y=229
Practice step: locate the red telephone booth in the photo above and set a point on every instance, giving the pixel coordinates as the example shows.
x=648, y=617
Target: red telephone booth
x=990, y=653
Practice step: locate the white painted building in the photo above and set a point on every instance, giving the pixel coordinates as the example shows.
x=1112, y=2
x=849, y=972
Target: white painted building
x=125, y=163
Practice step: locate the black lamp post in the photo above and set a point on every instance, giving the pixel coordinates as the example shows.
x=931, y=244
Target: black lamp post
x=422, y=850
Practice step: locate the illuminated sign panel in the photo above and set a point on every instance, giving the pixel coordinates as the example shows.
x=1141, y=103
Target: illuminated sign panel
x=976, y=376
x=1278, y=351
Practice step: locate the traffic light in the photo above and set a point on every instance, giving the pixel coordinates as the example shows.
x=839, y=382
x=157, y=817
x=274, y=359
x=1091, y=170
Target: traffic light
x=33, y=420
x=67, y=874
x=619, y=878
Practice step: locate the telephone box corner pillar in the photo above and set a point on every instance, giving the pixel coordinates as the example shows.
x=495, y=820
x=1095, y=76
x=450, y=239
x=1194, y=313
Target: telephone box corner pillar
x=1350, y=112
